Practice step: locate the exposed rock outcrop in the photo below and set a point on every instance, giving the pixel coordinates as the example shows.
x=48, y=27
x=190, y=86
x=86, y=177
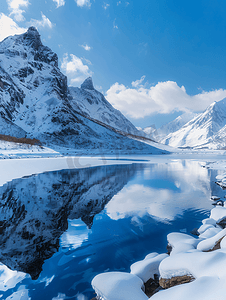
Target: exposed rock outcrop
x=166, y=283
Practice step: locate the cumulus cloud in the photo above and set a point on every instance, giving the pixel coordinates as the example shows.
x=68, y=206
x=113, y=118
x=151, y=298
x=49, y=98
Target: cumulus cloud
x=43, y=23
x=59, y=2
x=9, y=27
x=75, y=69
x=164, y=97
x=15, y=8
x=82, y=3
x=86, y=47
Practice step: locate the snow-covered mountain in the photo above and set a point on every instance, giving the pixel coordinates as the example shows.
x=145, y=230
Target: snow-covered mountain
x=207, y=130
x=35, y=101
x=174, y=125
x=149, y=132
x=93, y=104
x=159, y=134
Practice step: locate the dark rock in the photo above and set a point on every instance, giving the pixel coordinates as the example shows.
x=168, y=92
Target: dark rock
x=152, y=286
x=32, y=38
x=222, y=223
x=221, y=184
x=219, y=203
x=215, y=198
x=195, y=232
x=166, y=283
x=169, y=249
x=88, y=84
x=217, y=245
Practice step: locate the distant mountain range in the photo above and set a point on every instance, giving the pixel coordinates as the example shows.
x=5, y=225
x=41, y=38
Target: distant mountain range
x=206, y=130
x=160, y=133
x=36, y=102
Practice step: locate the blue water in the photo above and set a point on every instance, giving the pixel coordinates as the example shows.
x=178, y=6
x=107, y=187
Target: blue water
x=65, y=227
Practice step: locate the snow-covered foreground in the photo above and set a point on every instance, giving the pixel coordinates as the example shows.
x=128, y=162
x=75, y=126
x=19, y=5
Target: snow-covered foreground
x=193, y=268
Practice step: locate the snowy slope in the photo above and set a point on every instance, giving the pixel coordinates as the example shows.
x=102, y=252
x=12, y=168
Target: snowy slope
x=92, y=103
x=7, y=127
x=149, y=132
x=159, y=134
x=174, y=125
x=205, y=130
x=34, y=97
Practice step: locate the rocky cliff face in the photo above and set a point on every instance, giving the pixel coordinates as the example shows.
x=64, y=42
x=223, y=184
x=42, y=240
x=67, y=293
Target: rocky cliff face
x=34, y=211
x=34, y=101
x=32, y=87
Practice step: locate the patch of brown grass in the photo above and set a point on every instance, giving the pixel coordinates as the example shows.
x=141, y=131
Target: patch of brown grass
x=9, y=138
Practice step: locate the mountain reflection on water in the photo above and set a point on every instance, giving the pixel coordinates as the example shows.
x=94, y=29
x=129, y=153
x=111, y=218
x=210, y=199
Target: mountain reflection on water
x=62, y=229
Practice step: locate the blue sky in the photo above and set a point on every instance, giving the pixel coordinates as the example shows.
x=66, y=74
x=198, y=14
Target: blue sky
x=152, y=59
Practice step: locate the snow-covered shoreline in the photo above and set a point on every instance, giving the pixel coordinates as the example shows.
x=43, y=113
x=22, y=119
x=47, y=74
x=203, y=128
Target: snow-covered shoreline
x=27, y=160
x=194, y=268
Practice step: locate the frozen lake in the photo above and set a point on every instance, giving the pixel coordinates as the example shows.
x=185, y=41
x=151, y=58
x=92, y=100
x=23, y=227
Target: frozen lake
x=59, y=229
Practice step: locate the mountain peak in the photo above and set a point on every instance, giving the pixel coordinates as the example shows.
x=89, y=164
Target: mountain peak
x=32, y=38
x=88, y=84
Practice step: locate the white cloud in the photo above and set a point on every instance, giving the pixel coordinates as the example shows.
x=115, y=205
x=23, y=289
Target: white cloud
x=119, y=2
x=86, y=47
x=74, y=68
x=138, y=82
x=164, y=97
x=9, y=27
x=82, y=3
x=15, y=8
x=44, y=22
x=59, y=2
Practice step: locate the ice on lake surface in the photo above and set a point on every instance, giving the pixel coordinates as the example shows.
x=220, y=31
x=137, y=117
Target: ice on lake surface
x=60, y=229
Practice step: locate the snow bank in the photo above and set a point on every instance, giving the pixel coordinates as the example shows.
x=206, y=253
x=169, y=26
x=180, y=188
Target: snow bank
x=146, y=268
x=197, y=264
x=118, y=285
x=203, y=288
x=181, y=242
x=218, y=213
x=211, y=242
x=210, y=232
